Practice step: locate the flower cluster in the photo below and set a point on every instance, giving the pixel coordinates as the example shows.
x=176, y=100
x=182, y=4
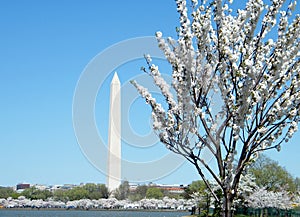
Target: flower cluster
x=261, y=198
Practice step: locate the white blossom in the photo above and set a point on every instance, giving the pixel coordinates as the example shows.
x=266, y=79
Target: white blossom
x=261, y=198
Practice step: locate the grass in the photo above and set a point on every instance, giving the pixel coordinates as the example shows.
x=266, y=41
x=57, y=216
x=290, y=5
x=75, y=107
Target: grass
x=239, y=215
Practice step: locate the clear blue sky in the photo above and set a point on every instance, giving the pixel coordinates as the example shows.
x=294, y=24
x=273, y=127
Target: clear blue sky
x=44, y=48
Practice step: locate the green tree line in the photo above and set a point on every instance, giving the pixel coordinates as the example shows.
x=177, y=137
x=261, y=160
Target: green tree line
x=267, y=172
x=143, y=191
x=88, y=191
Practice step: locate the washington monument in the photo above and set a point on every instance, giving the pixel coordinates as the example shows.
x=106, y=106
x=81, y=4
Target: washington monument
x=114, y=135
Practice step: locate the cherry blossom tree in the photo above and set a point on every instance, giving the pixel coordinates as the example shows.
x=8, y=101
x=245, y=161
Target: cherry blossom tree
x=262, y=199
x=249, y=58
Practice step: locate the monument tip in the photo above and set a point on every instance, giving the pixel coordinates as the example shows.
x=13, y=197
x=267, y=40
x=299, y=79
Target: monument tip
x=115, y=79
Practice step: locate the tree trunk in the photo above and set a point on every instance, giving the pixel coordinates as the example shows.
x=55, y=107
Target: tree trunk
x=227, y=204
x=207, y=204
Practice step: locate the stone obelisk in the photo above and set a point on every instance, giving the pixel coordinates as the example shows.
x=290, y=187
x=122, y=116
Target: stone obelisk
x=114, y=135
